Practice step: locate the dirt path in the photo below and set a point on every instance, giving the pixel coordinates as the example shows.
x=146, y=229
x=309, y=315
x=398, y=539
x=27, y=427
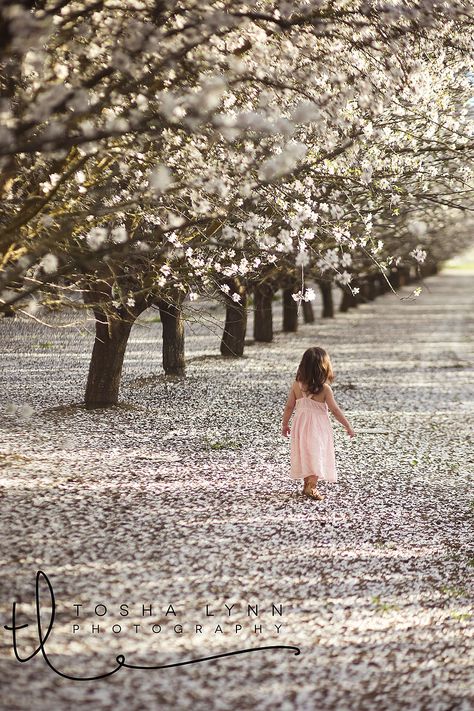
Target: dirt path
x=183, y=497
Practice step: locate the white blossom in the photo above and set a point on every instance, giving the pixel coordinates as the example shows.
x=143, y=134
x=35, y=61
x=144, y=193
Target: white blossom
x=160, y=179
x=417, y=228
x=32, y=306
x=96, y=237
x=366, y=174
x=302, y=259
x=46, y=220
x=283, y=162
x=49, y=263
x=418, y=254
x=119, y=234
x=344, y=278
x=306, y=112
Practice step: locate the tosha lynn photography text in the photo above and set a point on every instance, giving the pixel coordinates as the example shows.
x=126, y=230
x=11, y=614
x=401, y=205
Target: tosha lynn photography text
x=209, y=619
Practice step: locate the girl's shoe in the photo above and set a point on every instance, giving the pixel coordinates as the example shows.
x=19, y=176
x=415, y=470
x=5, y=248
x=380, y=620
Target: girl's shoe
x=313, y=494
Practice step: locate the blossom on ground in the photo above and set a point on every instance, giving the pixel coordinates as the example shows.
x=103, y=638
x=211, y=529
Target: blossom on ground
x=25, y=411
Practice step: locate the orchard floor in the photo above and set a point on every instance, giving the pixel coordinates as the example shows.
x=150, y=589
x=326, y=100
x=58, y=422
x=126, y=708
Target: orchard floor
x=182, y=496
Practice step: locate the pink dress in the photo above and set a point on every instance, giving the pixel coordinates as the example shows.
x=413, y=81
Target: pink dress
x=312, y=441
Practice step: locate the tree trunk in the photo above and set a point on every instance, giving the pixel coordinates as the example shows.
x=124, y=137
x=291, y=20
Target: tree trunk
x=233, y=337
x=356, y=299
x=371, y=288
x=325, y=288
x=428, y=269
x=364, y=291
x=263, y=317
x=105, y=369
x=394, y=278
x=308, y=313
x=173, y=337
x=383, y=285
x=348, y=300
x=290, y=310
x=8, y=312
x=405, y=276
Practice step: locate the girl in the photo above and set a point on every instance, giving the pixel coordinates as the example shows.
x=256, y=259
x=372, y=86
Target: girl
x=312, y=440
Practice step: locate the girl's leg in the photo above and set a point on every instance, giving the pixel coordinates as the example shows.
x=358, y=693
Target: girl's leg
x=310, y=482
x=310, y=488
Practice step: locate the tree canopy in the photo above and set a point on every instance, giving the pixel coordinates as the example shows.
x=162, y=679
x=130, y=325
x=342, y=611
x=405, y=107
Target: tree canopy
x=152, y=148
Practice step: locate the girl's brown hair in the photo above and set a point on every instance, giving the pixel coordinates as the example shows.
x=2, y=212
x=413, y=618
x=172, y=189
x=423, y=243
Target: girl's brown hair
x=315, y=369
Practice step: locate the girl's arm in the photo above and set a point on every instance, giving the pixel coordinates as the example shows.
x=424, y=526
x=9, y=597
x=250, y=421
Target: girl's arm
x=336, y=410
x=287, y=412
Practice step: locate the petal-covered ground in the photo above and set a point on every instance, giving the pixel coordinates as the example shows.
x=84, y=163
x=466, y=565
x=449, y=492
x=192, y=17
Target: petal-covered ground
x=182, y=497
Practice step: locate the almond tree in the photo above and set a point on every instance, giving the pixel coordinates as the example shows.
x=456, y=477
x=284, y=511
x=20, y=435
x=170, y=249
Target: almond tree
x=155, y=151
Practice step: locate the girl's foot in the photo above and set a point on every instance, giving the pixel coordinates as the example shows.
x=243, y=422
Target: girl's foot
x=313, y=494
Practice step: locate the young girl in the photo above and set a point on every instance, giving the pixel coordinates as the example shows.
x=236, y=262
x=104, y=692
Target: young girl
x=312, y=439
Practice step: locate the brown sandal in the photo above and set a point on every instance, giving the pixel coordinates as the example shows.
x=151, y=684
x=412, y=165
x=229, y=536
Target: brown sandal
x=314, y=494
